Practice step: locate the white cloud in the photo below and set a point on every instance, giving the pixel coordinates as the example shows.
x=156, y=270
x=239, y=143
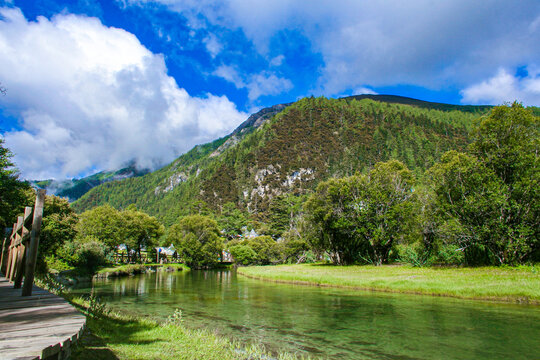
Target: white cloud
x=266, y=83
x=213, y=45
x=90, y=97
x=380, y=43
x=277, y=61
x=230, y=74
x=261, y=84
x=504, y=87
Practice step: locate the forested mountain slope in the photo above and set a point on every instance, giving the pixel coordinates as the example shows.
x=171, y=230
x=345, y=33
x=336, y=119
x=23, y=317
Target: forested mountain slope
x=290, y=149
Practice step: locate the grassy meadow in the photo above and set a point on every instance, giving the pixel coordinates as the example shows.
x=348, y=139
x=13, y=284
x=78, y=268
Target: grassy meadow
x=521, y=284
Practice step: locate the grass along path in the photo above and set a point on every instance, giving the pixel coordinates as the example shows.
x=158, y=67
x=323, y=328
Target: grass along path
x=521, y=285
x=111, y=336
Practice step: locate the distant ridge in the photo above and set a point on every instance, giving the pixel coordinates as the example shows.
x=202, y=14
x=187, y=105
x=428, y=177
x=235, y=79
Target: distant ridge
x=395, y=99
x=75, y=188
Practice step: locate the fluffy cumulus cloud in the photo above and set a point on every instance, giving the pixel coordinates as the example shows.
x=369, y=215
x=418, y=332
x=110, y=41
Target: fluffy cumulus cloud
x=504, y=87
x=90, y=97
x=425, y=43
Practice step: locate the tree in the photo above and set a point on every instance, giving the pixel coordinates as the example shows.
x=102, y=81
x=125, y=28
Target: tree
x=140, y=230
x=470, y=199
x=362, y=216
x=14, y=194
x=508, y=142
x=196, y=238
x=490, y=199
x=284, y=212
x=102, y=223
x=232, y=220
x=58, y=226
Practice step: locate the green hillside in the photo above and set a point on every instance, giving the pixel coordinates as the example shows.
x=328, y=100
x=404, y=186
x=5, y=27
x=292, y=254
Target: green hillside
x=289, y=149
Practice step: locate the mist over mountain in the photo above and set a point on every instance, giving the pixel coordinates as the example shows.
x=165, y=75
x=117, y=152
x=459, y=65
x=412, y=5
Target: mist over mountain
x=75, y=188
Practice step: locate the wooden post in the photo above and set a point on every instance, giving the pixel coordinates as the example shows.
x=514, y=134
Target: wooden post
x=6, y=258
x=19, y=266
x=21, y=250
x=14, y=250
x=31, y=256
x=5, y=254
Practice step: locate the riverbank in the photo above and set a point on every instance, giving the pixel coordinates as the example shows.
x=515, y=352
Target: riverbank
x=114, y=336
x=518, y=285
x=111, y=336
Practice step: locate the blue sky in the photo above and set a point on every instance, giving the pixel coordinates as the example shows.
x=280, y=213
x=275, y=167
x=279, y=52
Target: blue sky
x=93, y=85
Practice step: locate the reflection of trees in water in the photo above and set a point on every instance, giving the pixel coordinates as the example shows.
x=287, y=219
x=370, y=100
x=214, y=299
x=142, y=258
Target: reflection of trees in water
x=163, y=281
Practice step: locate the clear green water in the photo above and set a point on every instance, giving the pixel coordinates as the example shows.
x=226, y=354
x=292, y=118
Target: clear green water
x=330, y=323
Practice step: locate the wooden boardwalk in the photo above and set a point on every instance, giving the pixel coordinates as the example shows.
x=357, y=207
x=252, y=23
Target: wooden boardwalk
x=41, y=326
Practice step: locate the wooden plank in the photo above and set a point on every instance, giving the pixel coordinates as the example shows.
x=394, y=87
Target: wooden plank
x=31, y=303
x=36, y=326
x=20, y=328
x=36, y=294
x=37, y=313
x=10, y=298
x=59, y=333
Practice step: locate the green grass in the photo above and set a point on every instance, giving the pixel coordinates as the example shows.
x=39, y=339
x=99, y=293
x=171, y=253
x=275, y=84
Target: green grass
x=521, y=284
x=112, y=336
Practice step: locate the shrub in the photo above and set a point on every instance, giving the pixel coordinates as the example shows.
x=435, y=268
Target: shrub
x=415, y=255
x=243, y=254
x=85, y=254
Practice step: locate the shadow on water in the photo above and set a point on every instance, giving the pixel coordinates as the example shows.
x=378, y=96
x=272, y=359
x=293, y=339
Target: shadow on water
x=330, y=323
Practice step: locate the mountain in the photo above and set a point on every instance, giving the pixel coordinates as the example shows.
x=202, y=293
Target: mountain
x=289, y=149
x=75, y=188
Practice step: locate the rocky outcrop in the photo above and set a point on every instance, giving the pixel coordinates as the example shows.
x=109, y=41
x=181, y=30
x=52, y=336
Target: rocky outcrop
x=172, y=182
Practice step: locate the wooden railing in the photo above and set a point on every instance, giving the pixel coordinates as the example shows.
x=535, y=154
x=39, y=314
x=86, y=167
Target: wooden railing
x=19, y=251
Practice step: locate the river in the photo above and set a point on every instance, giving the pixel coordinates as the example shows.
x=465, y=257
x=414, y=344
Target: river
x=330, y=323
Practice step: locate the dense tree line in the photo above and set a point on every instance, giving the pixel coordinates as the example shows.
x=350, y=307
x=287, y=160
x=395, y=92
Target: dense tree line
x=476, y=208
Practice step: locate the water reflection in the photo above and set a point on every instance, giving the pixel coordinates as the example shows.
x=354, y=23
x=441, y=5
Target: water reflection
x=331, y=323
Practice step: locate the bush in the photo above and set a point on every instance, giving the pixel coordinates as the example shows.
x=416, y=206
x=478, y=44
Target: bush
x=56, y=264
x=243, y=254
x=294, y=247
x=91, y=255
x=85, y=254
x=414, y=255
x=449, y=255
x=266, y=250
